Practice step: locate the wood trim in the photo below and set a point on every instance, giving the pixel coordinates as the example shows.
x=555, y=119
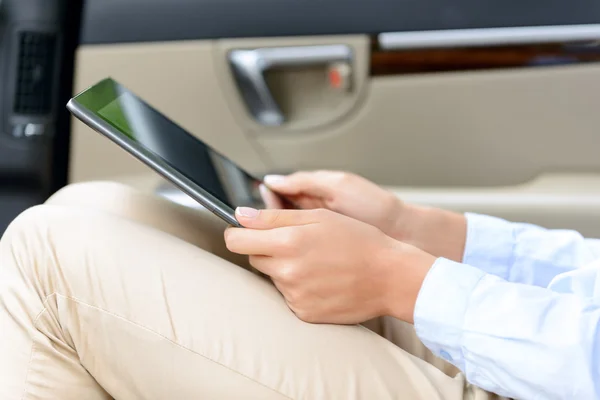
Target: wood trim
x=479, y=58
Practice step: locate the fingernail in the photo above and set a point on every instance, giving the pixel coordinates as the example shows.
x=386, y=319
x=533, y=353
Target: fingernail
x=247, y=212
x=274, y=179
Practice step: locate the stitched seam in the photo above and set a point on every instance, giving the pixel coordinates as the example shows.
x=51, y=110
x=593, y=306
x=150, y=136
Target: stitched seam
x=28, y=369
x=170, y=341
x=35, y=322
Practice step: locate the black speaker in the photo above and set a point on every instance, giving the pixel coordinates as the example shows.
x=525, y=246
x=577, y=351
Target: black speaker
x=37, y=57
x=32, y=62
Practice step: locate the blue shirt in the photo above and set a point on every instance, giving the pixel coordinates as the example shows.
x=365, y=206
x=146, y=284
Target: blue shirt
x=521, y=315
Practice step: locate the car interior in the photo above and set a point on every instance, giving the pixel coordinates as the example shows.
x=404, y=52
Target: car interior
x=467, y=105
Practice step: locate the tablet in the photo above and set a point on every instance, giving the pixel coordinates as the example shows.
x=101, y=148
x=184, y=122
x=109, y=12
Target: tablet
x=198, y=170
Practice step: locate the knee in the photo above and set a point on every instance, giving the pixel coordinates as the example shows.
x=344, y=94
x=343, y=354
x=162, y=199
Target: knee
x=28, y=219
x=31, y=223
x=36, y=241
x=89, y=193
x=26, y=238
x=47, y=243
x=109, y=198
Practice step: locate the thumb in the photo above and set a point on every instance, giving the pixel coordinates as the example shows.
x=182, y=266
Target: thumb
x=272, y=219
x=316, y=184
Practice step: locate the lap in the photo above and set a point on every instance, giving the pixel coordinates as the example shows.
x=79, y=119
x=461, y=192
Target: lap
x=178, y=321
x=204, y=230
x=198, y=227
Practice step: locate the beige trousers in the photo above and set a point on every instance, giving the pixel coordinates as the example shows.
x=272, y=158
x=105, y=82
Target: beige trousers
x=109, y=293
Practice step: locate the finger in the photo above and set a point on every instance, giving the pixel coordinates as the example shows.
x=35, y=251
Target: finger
x=309, y=203
x=264, y=264
x=270, y=199
x=309, y=183
x=272, y=219
x=277, y=268
x=254, y=242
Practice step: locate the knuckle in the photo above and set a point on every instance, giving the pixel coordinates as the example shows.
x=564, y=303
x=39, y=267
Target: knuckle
x=300, y=175
x=340, y=178
x=293, y=297
x=321, y=213
x=289, y=273
x=255, y=261
x=326, y=173
x=295, y=309
x=272, y=216
x=230, y=240
x=299, y=301
x=290, y=239
x=305, y=315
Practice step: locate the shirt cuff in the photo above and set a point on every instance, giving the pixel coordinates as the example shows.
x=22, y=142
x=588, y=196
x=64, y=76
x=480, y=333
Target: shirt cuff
x=442, y=306
x=490, y=244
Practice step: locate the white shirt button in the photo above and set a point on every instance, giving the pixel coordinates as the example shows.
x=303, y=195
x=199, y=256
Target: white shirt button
x=446, y=356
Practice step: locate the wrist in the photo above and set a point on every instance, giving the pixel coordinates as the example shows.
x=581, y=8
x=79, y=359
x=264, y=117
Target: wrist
x=400, y=216
x=406, y=268
x=438, y=232
x=406, y=223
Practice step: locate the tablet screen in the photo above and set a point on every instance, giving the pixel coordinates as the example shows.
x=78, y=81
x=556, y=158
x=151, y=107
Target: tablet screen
x=175, y=146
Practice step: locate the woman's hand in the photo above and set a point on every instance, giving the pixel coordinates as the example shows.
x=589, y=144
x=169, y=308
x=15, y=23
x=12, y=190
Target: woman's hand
x=331, y=268
x=435, y=231
x=341, y=192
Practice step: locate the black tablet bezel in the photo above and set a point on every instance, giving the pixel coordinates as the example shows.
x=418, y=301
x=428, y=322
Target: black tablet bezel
x=86, y=106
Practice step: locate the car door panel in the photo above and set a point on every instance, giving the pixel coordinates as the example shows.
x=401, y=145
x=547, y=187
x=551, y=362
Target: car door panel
x=552, y=200
x=502, y=126
x=493, y=128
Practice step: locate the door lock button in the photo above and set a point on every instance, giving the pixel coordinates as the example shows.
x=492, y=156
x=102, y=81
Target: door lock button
x=340, y=76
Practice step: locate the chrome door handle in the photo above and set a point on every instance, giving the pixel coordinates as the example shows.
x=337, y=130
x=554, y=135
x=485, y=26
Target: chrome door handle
x=249, y=68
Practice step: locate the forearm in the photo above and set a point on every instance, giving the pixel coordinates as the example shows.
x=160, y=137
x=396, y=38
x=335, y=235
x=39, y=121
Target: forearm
x=516, y=252
x=438, y=232
x=508, y=338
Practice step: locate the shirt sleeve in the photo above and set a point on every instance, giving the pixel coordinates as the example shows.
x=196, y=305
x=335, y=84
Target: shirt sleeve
x=515, y=340
x=524, y=253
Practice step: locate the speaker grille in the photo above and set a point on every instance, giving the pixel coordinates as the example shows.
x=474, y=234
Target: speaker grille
x=35, y=72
